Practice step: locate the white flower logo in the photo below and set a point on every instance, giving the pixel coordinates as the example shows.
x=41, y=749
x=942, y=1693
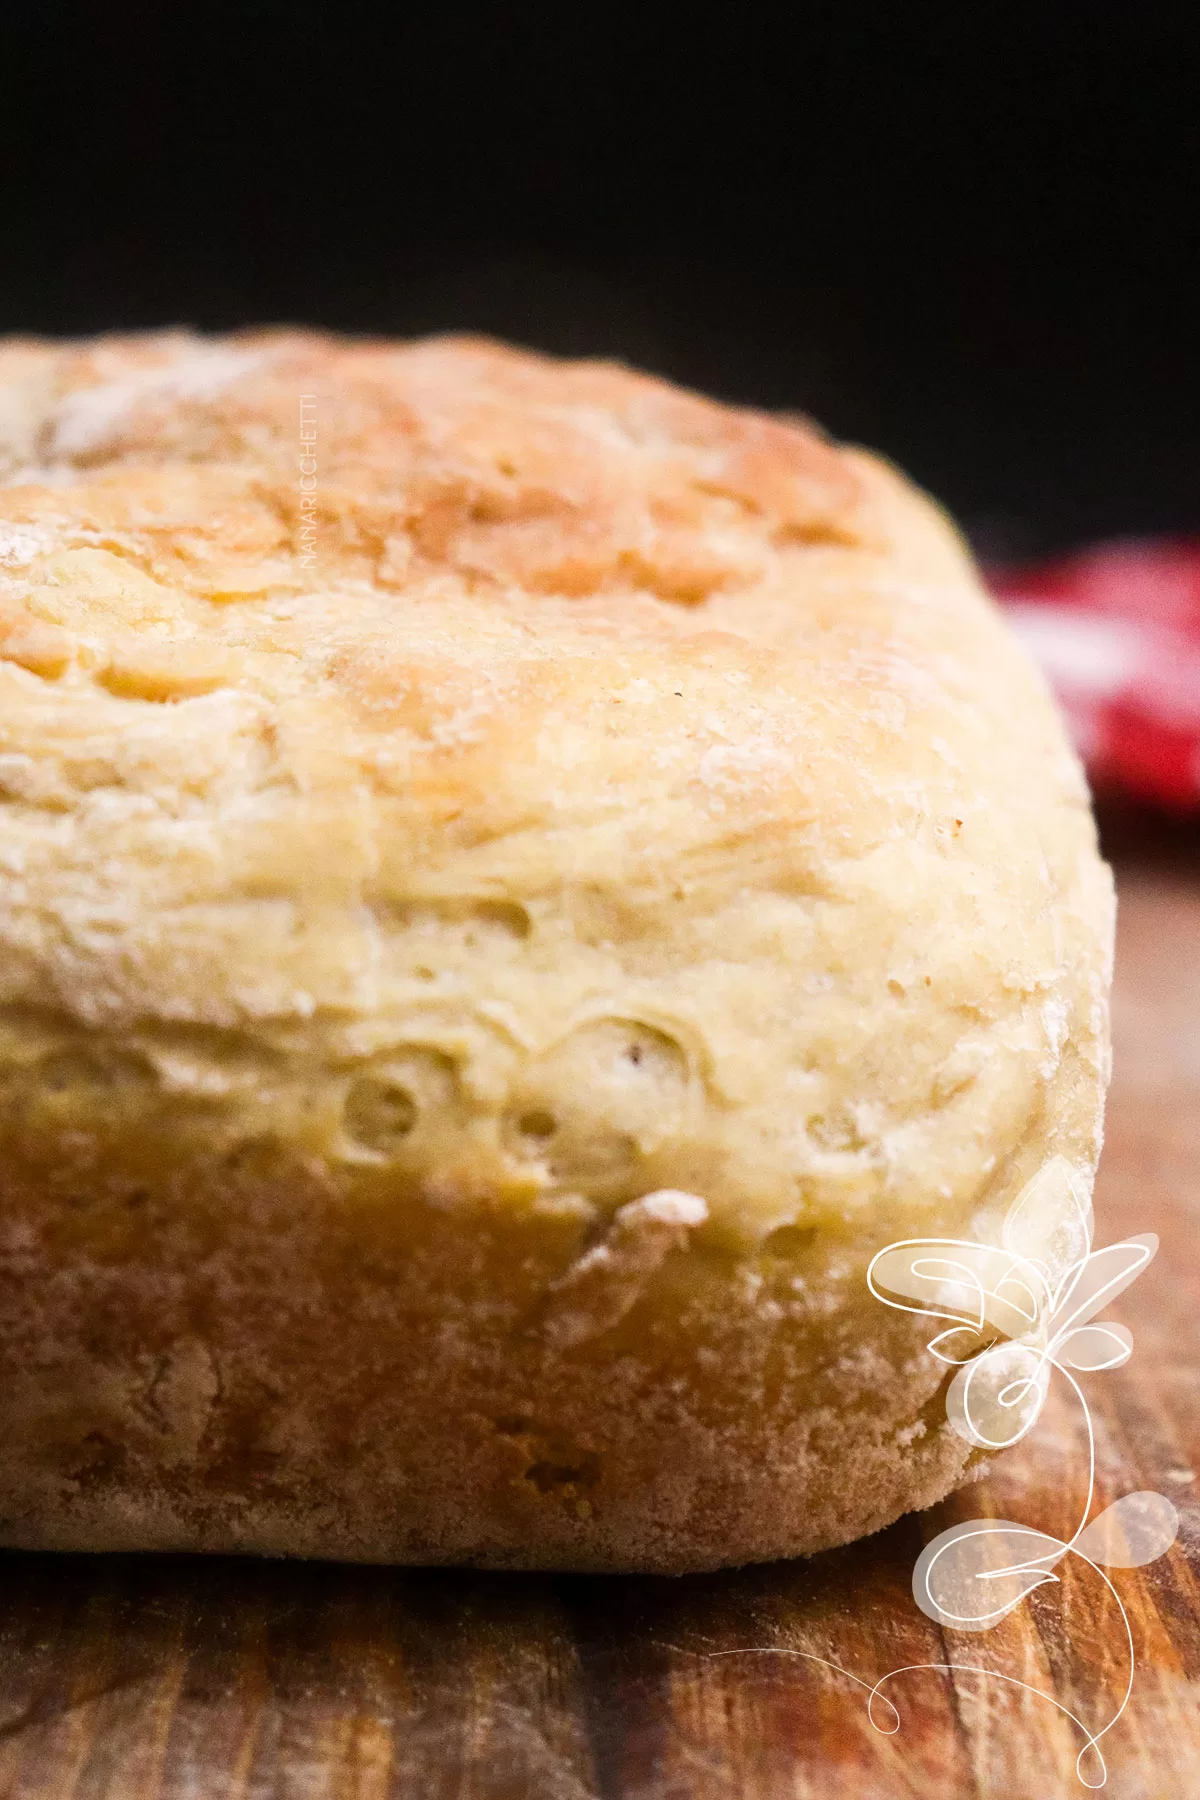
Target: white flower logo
x=1017, y=1312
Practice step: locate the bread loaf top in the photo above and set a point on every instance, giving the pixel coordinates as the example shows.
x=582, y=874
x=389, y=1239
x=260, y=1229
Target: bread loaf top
x=527, y=780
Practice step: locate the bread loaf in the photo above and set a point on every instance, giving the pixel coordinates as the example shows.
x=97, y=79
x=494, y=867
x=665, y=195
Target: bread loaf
x=515, y=881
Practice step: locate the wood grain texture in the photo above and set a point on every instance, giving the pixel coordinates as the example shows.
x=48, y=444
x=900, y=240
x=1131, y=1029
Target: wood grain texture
x=177, y=1679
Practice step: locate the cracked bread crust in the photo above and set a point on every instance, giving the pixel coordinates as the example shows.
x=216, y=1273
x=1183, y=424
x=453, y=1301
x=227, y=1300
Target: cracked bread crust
x=487, y=954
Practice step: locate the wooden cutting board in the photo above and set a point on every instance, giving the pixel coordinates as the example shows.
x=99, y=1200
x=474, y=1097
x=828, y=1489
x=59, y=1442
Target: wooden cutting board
x=133, y=1679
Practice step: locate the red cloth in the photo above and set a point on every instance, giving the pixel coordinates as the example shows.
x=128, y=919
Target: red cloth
x=1117, y=631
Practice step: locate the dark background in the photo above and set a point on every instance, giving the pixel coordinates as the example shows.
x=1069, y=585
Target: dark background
x=963, y=233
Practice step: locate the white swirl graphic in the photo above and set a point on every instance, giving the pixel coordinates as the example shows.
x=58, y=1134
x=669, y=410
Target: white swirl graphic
x=1013, y=1314
x=1019, y=1311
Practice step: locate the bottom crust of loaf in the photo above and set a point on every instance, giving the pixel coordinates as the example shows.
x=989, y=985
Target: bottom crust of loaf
x=236, y=1360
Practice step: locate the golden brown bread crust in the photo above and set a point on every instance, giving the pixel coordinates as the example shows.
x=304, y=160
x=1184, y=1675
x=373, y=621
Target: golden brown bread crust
x=478, y=978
